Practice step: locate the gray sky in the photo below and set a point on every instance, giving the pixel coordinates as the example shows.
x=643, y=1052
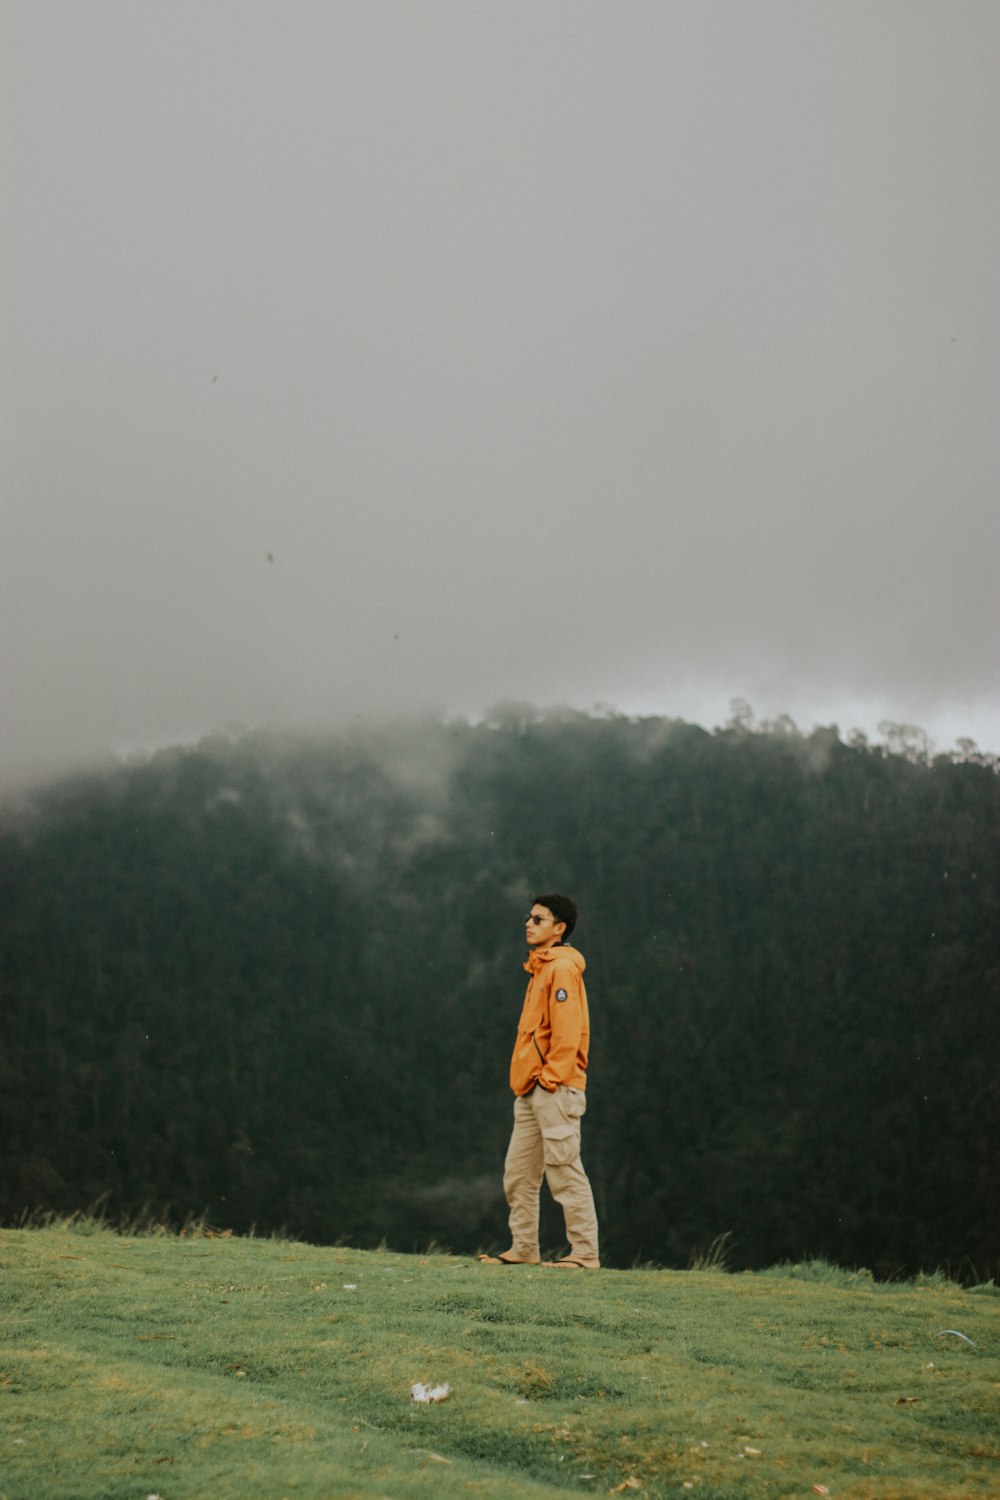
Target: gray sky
x=643, y=354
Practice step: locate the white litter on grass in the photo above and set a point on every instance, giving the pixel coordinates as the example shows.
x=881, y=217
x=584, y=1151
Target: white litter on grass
x=954, y=1333
x=428, y=1393
x=350, y=1286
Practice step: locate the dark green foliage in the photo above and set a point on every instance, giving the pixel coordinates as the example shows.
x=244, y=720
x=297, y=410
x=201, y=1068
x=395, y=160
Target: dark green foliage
x=277, y=984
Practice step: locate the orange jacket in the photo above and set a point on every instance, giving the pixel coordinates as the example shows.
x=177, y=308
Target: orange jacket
x=553, y=1034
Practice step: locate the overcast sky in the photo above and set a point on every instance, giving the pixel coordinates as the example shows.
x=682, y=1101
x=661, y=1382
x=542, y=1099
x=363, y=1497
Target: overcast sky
x=369, y=356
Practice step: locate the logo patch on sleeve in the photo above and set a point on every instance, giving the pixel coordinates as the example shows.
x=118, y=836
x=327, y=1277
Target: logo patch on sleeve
x=562, y=995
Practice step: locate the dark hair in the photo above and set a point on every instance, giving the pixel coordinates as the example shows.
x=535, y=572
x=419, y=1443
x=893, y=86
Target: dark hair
x=562, y=908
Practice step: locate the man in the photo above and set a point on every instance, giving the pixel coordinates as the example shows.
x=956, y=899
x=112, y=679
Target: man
x=548, y=1074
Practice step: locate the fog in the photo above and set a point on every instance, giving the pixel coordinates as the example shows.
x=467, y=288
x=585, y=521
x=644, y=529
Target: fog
x=366, y=358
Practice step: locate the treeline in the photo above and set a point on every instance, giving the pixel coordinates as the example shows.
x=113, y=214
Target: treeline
x=276, y=983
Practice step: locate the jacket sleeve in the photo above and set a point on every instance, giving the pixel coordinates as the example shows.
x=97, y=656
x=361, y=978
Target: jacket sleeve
x=566, y=1021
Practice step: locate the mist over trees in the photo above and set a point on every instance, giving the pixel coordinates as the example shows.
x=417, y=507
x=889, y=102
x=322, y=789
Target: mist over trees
x=277, y=982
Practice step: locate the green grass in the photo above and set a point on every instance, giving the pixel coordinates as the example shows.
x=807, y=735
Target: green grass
x=139, y=1364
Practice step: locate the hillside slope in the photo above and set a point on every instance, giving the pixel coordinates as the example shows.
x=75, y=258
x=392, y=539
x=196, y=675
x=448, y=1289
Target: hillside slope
x=136, y=1366
x=276, y=985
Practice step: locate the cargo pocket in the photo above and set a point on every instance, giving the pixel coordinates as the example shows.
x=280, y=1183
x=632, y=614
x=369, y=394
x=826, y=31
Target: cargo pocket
x=560, y=1144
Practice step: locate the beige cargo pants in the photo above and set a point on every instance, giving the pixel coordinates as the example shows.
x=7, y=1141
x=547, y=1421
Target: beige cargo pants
x=546, y=1139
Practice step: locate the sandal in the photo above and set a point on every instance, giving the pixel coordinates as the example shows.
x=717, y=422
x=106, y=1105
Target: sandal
x=504, y=1260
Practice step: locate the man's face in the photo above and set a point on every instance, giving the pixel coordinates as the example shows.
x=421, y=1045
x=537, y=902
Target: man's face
x=541, y=927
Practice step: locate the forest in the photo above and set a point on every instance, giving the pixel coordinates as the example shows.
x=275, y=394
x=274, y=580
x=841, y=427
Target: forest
x=274, y=982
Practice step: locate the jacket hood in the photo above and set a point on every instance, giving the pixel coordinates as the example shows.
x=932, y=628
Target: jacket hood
x=539, y=957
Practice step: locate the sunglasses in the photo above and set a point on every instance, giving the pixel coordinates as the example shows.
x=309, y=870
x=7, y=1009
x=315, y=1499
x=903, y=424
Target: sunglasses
x=532, y=917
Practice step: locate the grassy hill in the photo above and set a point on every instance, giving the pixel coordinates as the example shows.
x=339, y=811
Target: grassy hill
x=139, y=1365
